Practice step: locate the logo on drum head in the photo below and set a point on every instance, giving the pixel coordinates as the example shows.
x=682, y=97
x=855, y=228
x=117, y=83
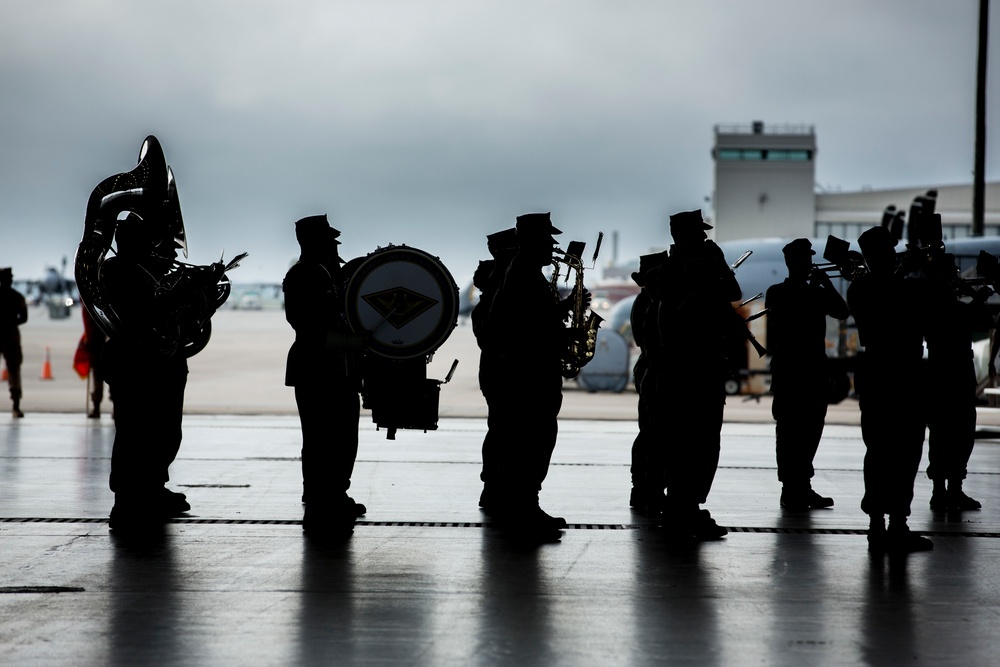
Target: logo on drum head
x=399, y=305
x=423, y=313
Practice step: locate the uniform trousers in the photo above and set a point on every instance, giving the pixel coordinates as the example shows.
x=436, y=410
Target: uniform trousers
x=893, y=430
x=149, y=408
x=330, y=413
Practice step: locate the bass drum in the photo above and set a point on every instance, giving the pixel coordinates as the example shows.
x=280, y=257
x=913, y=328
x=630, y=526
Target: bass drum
x=405, y=297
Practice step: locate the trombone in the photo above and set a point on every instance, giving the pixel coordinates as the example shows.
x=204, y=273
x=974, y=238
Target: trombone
x=842, y=261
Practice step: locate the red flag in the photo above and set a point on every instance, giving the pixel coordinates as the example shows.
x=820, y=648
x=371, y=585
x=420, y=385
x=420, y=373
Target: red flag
x=81, y=360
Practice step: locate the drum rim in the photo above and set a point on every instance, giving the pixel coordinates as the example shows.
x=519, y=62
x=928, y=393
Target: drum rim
x=450, y=301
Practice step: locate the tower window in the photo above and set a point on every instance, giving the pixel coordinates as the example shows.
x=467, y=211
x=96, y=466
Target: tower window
x=782, y=155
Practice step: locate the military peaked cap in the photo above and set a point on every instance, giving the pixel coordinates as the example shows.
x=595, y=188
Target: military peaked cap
x=798, y=247
x=686, y=222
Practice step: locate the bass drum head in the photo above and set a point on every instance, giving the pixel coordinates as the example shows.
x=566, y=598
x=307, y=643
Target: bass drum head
x=405, y=297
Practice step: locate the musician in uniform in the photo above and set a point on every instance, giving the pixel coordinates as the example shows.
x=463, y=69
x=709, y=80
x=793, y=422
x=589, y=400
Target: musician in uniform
x=886, y=309
x=148, y=382
x=797, y=309
x=648, y=484
x=532, y=336
x=697, y=324
x=324, y=368
x=949, y=324
x=488, y=278
x=13, y=313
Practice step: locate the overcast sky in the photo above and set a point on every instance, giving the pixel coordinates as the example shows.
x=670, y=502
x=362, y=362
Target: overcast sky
x=433, y=124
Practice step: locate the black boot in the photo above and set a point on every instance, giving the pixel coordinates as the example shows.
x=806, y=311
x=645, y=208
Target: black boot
x=957, y=500
x=876, y=534
x=523, y=519
x=799, y=497
x=939, y=496
x=172, y=503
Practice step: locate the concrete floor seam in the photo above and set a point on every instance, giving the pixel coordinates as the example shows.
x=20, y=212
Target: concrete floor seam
x=769, y=530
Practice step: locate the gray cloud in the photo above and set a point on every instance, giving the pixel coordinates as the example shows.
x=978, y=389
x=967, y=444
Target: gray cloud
x=434, y=123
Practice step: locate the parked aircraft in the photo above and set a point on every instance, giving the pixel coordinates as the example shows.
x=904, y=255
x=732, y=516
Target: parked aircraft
x=468, y=297
x=56, y=292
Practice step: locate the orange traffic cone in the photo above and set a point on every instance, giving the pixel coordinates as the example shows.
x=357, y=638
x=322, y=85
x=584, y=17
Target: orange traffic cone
x=47, y=366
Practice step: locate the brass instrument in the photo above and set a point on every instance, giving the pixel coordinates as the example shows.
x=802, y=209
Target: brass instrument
x=148, y=195
x=978, y=289
x=742, y=258
x=761, y=351
x=581, y=349
x=208, y=288
x=987, y=270
x=138, y=190
x=842, y=261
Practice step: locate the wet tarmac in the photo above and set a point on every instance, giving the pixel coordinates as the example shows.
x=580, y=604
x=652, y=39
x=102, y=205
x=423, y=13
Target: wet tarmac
x=425, y=581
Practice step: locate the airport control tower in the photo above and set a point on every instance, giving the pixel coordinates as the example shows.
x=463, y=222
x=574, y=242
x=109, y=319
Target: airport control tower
x=764, y=181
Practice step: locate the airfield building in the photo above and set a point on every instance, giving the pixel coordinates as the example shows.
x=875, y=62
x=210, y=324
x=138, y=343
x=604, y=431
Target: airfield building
x=765, y=187
x=764, y=180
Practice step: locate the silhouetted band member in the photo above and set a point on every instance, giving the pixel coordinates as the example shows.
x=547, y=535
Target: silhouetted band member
x=13, y=313
x=323, y=367
x=886, y=309
x=648, y=483
x=697, y=324
x=530, y=324
x=488, y=279
x=148, y=383
x=949, y=325
x=797, y=309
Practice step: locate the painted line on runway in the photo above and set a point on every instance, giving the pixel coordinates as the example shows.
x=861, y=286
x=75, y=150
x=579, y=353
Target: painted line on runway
x=295, y=459
x=768, y=530
x=17, y=590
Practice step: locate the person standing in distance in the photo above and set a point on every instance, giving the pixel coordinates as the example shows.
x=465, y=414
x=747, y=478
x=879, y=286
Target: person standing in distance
x=13, y=313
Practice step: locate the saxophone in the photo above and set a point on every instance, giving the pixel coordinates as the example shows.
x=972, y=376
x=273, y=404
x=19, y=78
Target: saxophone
x=581, y=349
